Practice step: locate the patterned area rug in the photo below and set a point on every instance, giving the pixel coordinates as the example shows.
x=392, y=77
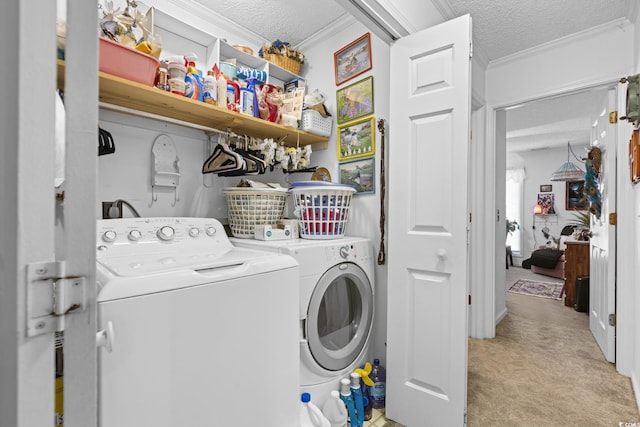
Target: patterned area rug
x=538, y=289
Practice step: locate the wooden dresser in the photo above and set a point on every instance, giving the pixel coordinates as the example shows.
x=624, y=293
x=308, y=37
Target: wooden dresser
x=576, y=264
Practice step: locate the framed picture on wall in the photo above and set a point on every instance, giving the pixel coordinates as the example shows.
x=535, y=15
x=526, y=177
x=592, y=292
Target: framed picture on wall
x=353, y=59
x=546, y=188
x=355, y=101
x=356, y=139
x=576, y=200
x=546, y=202
x=359, y=174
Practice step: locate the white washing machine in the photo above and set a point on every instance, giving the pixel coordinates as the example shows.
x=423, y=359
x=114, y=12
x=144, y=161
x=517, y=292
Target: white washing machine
x=336, y=307
x=192, y=326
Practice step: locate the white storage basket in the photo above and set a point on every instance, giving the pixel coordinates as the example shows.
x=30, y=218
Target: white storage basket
x=323, y=210
x=313, y=122
x=248, y=207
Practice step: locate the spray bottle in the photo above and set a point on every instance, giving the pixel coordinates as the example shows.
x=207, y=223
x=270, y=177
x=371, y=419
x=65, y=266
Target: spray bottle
x=193, y=84
x=347, y=398
x=356, y=392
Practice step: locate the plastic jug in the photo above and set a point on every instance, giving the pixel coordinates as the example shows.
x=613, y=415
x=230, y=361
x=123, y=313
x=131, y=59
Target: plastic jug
x=310, y=414
x=335, y=410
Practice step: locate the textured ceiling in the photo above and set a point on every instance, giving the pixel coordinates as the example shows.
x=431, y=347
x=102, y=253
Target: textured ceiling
x=503, y=27
x=292, y=21
x=554, y=122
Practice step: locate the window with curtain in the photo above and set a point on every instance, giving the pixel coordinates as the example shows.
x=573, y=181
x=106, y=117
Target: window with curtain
x=514, y=202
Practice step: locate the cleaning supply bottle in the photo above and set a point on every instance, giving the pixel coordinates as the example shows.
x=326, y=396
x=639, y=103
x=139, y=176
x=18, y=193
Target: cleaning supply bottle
x=368, y=404
x=334, y=410
x=347, y=398
x=310, y=414
x=210, y=89
x=193, y=84
x=222, y=91
x=356, y=392
x=379, y=389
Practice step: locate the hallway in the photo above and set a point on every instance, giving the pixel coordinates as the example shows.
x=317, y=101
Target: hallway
x=544, y=369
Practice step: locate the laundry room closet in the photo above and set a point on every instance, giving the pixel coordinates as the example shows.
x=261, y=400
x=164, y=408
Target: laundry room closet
x=128, y=173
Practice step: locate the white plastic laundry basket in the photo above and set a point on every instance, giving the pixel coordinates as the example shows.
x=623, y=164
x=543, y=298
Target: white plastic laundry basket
x=322, y=210
x=249, y=207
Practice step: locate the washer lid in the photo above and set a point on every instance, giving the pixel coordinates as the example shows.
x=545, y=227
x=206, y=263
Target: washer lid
x=236, y=264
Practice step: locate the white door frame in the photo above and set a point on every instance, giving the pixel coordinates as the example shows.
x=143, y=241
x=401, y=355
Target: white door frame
x=30, y=213
x=485, y=315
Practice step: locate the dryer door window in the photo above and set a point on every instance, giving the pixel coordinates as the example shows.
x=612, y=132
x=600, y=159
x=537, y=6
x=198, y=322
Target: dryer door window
x=339, y=317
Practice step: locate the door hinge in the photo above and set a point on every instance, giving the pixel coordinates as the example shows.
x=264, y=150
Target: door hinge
x=51, y=295
x=469, y=299
x=613, y=218
x=612, y=319
x=613, y=117
x=470, y=49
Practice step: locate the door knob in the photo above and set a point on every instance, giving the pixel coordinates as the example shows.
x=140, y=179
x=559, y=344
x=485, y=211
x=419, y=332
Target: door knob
x=442, y=254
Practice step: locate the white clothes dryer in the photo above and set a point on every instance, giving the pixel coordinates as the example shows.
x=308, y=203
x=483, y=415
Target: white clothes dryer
x=336, y=307
x=185, y=318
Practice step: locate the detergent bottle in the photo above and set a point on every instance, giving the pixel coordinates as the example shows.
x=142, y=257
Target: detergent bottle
x=356, y=392
x=310, y=414
x=210, y=89
x=233, y=95
x=347, y=398
x=193, y=84
x=334, y=410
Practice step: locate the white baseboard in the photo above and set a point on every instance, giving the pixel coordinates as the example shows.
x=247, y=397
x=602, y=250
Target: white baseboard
x=635, y=384
x=501, y=316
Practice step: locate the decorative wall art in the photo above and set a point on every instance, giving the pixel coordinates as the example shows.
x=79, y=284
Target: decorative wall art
x=355, y=101
x=546, y=202
x=576, y=199
x=359, y=174
x=353, y=59
x=546, y=188
x=356, y=139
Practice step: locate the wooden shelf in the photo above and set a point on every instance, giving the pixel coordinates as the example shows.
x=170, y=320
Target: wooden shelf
x=148, y=99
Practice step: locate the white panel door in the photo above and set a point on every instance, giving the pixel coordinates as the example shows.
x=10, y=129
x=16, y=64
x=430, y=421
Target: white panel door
x=602, y=275
x=428, y=225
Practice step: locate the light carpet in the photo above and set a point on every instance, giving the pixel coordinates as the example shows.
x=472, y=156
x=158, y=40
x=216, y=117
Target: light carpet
x=537, y=288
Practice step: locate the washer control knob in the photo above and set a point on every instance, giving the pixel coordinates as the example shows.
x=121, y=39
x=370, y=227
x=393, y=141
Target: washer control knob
x=166, y=233
x=211, y=231
x=194, y=232
x=109, y=236
x=135, y=235
x=344, y=251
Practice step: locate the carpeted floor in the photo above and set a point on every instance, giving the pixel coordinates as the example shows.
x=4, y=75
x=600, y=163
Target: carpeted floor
x=544, y=368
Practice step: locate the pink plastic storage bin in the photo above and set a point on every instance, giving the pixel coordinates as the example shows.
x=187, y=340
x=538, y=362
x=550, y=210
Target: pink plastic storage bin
x=128, y=63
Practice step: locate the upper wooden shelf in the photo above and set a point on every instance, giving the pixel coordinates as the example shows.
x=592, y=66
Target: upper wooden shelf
x=132, y=95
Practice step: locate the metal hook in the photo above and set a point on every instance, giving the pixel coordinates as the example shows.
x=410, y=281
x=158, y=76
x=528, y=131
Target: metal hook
x=176, y=199
x=154, y=196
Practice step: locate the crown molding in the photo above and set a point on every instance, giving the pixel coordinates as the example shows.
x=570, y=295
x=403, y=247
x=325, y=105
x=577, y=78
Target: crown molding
x=444, y=8
x=618, y=23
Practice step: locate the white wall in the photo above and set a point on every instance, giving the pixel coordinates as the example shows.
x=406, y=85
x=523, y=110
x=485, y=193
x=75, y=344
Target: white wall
x=584, y=60
x=633, y=273
x=539, y=165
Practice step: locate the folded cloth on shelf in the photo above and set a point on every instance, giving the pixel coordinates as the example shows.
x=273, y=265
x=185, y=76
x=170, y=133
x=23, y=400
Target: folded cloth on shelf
x=546, y=258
